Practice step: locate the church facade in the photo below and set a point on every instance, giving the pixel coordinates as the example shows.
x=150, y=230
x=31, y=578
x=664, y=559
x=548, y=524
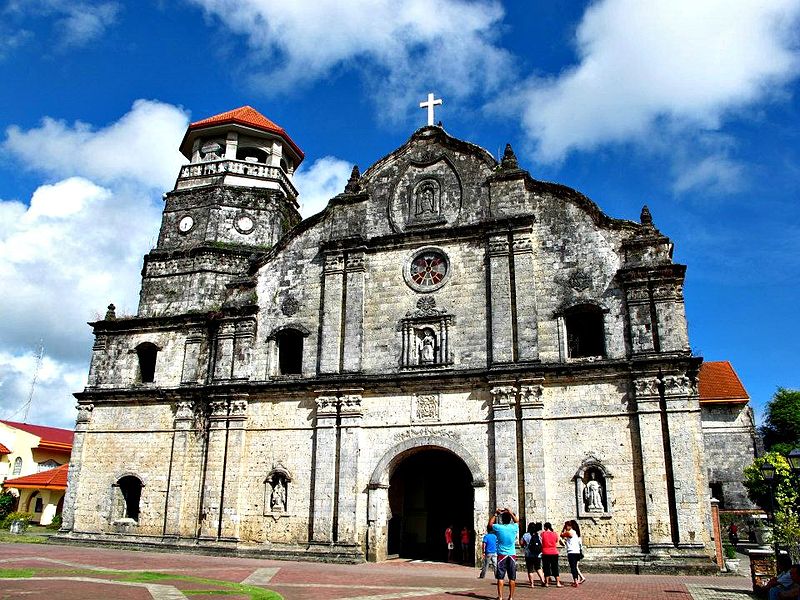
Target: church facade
x=448, y=335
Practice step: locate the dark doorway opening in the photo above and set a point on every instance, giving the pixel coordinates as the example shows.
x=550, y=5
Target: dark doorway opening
x=430, y=490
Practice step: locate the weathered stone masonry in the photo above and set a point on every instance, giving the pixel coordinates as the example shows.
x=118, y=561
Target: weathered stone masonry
x=443, y=302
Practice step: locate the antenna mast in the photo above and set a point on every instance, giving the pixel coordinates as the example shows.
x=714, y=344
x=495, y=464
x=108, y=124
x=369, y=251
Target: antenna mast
x=39, y=356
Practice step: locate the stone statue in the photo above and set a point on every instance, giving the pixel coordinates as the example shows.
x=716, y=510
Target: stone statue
x=278, y=498
x=427, y=346
x=593, y=494
x=425, y=201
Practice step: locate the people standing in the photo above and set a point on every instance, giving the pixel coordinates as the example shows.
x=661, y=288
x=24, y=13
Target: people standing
x=550, y=555
x=448, y=539
x=532, y=544
x=571, y=534
x=465, y=545
x=507, y=532
x=489, y=549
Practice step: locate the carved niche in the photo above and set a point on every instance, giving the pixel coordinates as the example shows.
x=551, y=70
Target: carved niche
x=427, y=193
x=593, y=490
x=425, y=336
x=276, y=492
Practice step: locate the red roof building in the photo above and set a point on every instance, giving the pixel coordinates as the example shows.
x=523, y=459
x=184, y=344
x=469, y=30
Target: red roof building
x=52, y=438
x=720, y=383
x=4, y=450
x=52, y=479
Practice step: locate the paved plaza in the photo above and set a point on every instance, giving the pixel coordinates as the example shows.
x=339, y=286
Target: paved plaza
x=81, y=573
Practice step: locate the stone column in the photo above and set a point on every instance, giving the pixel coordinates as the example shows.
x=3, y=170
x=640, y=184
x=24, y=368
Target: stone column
x=533, y=451
x=244, y=334
x=213, y=474
x=324, y=469
x=504, y=426
x=234, y=468
x=377, y=521
x=75, y=462
x=656, y=495
x=231, y=145
x=331, y=344
x=354, y=311
x=184, y=415
x=350, y=424
x=500, y=291
x=688, y=460
x=718, y=557
x=223, y=359
x=525, y=286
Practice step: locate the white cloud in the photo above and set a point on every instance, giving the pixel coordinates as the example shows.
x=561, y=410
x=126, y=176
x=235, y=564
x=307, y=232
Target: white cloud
x=716, y=173
x=642, y=64
x=77, y=244
x=141, y=147
x=320, y=182
x=402, y=47
x=75, y=22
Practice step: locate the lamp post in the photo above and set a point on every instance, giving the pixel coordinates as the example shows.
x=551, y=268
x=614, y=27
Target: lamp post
x=794, y=460
x=768, y=471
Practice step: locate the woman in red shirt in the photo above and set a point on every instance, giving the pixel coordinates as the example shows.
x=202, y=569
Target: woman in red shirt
x=550, y=554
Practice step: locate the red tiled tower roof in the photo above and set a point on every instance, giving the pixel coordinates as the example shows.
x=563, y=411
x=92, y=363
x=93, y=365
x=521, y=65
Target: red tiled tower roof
x=720, y=383
x=249, y=117
x=52, y=479
x=52, y=438
x=4, y=450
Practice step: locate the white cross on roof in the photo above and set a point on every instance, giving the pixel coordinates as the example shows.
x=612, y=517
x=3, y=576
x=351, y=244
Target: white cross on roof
x=429, y=105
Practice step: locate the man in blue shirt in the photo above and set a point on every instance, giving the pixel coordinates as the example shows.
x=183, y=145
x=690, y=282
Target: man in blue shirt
x=489, y=552
x=507, y=532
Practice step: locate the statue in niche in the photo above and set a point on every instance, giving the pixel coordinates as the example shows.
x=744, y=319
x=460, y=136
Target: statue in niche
x=278, y=498
x=427, y=347
x=593, y=494
x=425, y=201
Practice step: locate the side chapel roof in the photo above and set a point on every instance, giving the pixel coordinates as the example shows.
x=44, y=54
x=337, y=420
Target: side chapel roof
x=720, y=383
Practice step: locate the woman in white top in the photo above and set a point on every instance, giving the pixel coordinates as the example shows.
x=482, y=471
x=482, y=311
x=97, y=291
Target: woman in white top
x=571, y=534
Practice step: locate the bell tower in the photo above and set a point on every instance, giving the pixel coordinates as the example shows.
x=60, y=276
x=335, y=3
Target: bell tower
x=235, y=198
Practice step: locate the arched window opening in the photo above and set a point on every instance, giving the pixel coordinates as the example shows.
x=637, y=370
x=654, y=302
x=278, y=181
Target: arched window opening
x=17, y=466
x=130, y=493
x=35, y=503
x=147, y=353
x=251, y=155
x=284, y=165
x=585, y=332
x=47, y=465
x=290, y=352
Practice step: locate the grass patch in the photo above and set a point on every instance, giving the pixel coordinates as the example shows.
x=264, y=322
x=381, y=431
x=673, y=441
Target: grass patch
x=227, y=588
x=16, y=573
x=23, y=538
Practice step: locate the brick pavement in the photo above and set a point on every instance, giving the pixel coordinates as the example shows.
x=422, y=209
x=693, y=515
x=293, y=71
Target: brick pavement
x=64, y=572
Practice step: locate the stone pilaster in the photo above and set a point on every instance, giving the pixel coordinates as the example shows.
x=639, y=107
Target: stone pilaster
x=333, y=286
x=500, y=299
x=324, y=468
x=223, y=357
x=688, y=460
x=193, y=371
x=350, y=423
x=533, y=451
x=214, y=470
x=671, y=315
x=75, y=461
x=640, y=323
x=656, y=494
x=504, y=426
x=96, y=365
x=184, y=415
x=525, y=286
x=234, y=468
x=244, y=333
x=354, y=311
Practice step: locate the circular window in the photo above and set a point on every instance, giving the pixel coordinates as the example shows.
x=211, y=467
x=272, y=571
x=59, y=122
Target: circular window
x=427, y=270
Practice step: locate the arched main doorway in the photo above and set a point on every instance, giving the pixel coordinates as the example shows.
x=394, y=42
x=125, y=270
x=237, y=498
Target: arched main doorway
x=429, y=490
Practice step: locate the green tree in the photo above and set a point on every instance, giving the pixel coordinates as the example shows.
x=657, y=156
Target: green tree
x=781, y=429
x=785, y=482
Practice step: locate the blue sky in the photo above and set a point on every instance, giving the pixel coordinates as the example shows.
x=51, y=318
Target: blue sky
x=688, y=106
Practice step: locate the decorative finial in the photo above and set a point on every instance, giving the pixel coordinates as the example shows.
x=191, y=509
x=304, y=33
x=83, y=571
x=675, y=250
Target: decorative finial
x=111, y=313
x=353, y=185
x=509, y=159
x=646, y=218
